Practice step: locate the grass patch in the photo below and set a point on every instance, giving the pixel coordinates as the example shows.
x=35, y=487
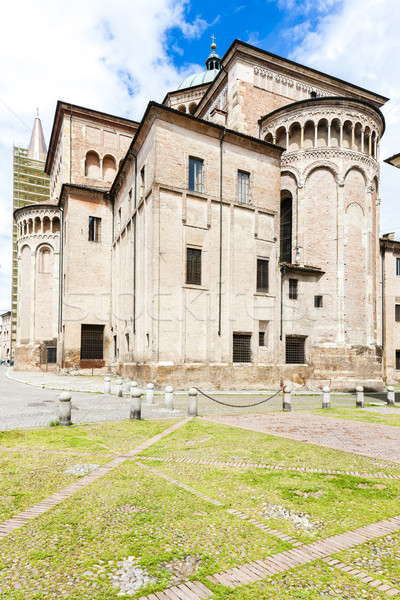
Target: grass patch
x=94, y=529
x=203, y=440
x=98, y=437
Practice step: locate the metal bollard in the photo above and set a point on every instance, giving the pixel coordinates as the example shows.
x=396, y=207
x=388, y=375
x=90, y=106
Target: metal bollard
x=390, y=395
x=107, y=385
x=150, y=393
x=64, y=409
x=119, y=388
x=326, y=397
x=169, y=397
x=193, y=403
x=136, y=404
x=360, y=396
x=287, y=399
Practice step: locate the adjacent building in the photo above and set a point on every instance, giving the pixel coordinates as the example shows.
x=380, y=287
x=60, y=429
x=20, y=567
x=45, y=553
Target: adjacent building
x=5, y=338
x=229, y=239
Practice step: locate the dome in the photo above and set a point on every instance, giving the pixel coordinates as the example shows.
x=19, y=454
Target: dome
x=199, y=79
x=213, y=64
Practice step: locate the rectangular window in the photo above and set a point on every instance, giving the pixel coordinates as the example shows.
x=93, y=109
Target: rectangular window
x=94, y=229
x=115, y=347
x=295, y=350
x=92, y=342
x=293, y=289
x=397, y=266
x=397, y=360
x=127, y=341
x=397, y=312
x=243, y=187
x=318, y=303
x=242, y=347
x=142, y=182
x=262, y=275
x=195, y=174
x=261, y=338
x=51, y=355
x=263, y=333
x=193, y=266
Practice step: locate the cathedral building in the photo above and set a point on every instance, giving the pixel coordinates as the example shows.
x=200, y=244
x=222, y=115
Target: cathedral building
x=229, y=239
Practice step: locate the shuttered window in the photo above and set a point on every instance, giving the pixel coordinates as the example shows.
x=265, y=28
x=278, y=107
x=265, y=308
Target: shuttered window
x=193, y=266
x=262, y=275
x=243, y=187
x=242, y=347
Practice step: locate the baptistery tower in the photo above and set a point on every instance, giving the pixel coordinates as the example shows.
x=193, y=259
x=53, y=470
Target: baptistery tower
x=38, y=243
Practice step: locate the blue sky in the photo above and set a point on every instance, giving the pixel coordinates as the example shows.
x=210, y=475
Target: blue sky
x=116, y=56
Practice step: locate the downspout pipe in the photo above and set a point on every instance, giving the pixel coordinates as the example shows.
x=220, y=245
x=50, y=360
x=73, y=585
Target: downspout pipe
x=134, y=245
x=283, y=272
x=220, y=236
x=383, y=308
x=61, y=282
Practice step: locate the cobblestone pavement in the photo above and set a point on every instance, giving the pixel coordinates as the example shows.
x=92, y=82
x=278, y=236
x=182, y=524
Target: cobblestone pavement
x=367, y=439
x=30, y=399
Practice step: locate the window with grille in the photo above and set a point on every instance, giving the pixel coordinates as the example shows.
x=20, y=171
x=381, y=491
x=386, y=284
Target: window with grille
x=243, y=187
x=94, y=229
x=242, y=347
x=318, y=301
x=286, y=230
x=193, y=266
x=295, y=350
x=262, y=275
x=92, y=342
x=51, y=355
x=293, y=289
x=397, y=360
x=397, y=266
x=195, y=174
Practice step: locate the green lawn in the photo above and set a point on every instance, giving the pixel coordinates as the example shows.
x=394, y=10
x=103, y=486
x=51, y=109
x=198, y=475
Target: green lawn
x=75, y=549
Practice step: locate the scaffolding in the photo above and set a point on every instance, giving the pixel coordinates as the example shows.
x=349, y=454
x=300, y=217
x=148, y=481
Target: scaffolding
x=30, y=186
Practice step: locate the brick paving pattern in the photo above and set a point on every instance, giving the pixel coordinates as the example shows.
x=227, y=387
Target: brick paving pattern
x=246, y=465
x=366, y=439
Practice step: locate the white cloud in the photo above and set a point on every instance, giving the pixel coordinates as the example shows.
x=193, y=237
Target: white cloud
x=359, y=42
x=92, y=53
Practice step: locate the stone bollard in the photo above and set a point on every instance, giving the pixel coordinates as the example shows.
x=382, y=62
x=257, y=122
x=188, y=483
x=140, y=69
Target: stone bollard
x=132, y=386
x=360, y=396
x=107, y=385
x=64, y=409
x=136, y=404
x=128, y=387
x=390, y=395
x=150, y=393
x=326, y=397
x=169, y=397
x=193, y=403
x=119, y=388
x=287, y=399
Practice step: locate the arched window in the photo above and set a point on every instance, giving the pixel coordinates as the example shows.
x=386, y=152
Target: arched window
x=286, y=228
x=92, y=165
x=109, y=168
x=37, y=224
x=44, y=260
x=182, y=108
x=192, y=108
